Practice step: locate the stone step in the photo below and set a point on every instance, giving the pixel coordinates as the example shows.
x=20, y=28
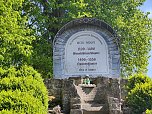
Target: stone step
x=92, y=107
x=81, y=111
x=86, y=100
x=93, y=112
x=86, y=97
x=91, y=96
x=81, y=91
x=93, y=90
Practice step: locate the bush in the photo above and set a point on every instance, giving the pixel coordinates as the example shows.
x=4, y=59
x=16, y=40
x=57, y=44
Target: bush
x=137, y=79
x=11, y=112
x=139, y=93
x=22, y=90
x=148, y=111
x=21, y=101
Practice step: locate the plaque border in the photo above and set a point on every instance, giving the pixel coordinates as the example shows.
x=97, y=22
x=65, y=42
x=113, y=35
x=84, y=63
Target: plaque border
x=82, y=24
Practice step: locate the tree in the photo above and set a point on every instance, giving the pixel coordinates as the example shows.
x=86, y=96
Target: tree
x=15, y=37
x=132, y=26
x=20, y=84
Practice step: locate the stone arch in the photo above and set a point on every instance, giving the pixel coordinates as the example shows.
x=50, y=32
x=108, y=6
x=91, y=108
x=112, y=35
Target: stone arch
x=81, y=26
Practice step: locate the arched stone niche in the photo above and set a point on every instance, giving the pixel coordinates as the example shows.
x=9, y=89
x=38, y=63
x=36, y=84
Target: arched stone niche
x=86, y=47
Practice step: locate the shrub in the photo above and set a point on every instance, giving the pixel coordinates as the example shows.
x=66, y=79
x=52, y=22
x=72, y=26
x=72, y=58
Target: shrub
x=21, y=101
x=23, y=90
x=11, y=112
x=139, y=93
x=137, y=79
x=148, y=111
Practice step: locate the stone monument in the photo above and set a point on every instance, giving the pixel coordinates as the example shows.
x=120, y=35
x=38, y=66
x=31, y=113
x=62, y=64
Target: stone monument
x=86, y=61
x=86, y=46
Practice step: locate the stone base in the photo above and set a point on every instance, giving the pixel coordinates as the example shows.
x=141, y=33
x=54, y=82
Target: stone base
x=105, y=92
x=116, y=112
x=93, y=112
x=76, y=111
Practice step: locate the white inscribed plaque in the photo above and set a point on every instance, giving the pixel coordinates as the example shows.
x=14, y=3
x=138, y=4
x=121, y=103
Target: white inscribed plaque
x=86, y=53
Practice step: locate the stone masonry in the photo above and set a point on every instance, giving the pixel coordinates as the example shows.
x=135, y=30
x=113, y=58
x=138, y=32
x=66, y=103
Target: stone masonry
x=102, y=96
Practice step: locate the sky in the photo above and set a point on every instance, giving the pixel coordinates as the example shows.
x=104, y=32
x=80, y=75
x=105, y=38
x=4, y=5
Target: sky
x=147, y=7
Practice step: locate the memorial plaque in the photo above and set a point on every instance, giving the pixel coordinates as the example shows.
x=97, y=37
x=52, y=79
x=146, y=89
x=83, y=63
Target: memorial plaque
x=86, y=47
x=86, y=52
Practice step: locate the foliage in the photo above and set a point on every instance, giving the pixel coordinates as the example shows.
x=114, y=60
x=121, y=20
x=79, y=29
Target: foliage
x=42, y=58
x=15, y=38
x=148, y=111
x=140, y=93
x=133, y=27
x=23, y=90
x=22, y=102
x=11, y=112
x=137, y=79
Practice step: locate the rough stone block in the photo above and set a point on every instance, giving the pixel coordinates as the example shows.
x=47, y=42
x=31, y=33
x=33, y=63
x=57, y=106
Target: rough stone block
x=105, y=92
x=75, y=100
x=76, y=106
x=115, y=112
x=76, y=111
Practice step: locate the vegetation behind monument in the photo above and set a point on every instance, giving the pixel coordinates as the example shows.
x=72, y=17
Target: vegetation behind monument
x=21, y=87
x=133, y=27
x=21, y=47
